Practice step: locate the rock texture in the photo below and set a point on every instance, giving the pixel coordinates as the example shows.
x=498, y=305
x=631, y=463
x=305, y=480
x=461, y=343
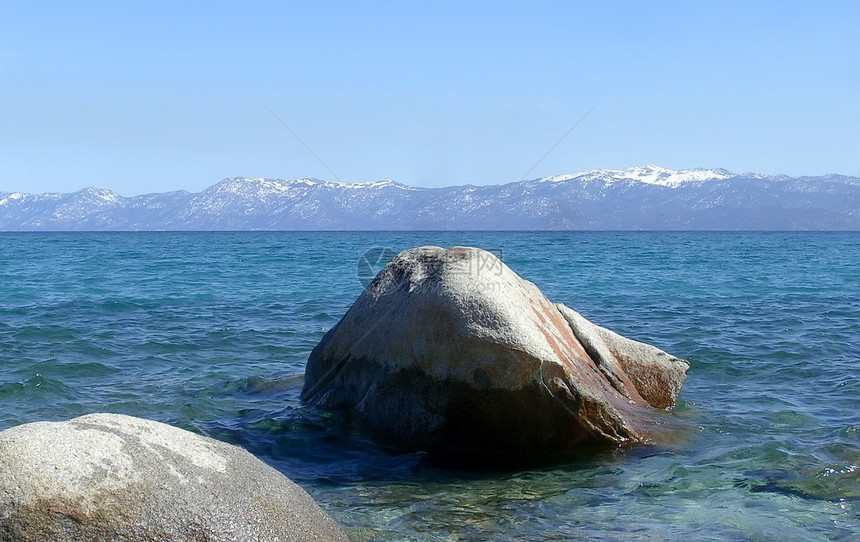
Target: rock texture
x=451, y=351
x=112, y=477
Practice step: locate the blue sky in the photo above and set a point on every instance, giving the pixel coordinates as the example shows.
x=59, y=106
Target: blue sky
x=145, y=97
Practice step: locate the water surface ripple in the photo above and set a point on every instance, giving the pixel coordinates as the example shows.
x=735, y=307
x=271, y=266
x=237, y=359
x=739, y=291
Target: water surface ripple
x=211, y=331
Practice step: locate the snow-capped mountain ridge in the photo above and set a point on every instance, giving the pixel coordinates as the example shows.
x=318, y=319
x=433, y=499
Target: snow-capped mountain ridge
x=655, y=175
x=644, y=197
x=243, y=184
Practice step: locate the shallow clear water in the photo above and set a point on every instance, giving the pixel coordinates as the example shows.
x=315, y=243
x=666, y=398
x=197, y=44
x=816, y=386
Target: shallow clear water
x=211, y=331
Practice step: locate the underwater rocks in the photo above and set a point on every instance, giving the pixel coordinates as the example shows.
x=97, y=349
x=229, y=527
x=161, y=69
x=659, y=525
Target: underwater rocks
x=113, y=477
x=451, y=351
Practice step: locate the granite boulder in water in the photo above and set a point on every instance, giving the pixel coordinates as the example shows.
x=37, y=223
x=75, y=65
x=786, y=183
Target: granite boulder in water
x=113, y=477
x=451, y=351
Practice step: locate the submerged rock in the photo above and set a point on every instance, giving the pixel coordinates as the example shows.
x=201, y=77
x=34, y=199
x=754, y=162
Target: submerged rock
x=113, y=477
x=451, y=351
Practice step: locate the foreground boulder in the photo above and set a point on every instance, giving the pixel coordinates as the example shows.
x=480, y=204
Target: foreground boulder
x=451, y=351
x=113, y=477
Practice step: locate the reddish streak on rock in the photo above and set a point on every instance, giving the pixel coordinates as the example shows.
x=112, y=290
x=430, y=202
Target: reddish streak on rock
x=61, y=509
x=563, y=341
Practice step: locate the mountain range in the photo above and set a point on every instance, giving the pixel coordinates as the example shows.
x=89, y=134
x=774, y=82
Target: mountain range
x=640, y=198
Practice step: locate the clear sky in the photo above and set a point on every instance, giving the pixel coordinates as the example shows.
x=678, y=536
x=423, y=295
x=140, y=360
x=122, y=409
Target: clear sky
x=147, y=96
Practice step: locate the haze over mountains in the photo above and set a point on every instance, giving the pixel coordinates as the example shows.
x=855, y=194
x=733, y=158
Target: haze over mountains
x=640, y=198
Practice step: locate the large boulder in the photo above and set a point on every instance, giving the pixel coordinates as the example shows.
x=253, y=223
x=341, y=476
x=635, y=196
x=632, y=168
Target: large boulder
x=112, y=477
x=451, y=351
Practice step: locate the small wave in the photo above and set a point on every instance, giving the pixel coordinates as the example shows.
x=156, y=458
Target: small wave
x=35, y=388
x=69, y=371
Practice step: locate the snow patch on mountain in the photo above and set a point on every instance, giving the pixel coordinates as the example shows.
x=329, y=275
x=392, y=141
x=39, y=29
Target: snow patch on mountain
x=384, y=183
x=654, y=175
x=244, y=185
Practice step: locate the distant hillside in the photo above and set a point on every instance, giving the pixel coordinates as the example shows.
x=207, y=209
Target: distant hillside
x=641, y=198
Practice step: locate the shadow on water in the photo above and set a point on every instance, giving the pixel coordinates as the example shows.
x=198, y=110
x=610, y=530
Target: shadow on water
x=319, y=447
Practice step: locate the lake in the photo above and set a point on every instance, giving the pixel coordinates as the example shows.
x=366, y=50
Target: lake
x=211, y=332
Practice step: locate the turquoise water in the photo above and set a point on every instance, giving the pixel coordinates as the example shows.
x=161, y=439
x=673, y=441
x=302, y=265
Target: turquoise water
x=211, y=331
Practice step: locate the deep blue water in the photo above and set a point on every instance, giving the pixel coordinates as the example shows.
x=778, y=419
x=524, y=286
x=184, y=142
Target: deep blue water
x=211, y=331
